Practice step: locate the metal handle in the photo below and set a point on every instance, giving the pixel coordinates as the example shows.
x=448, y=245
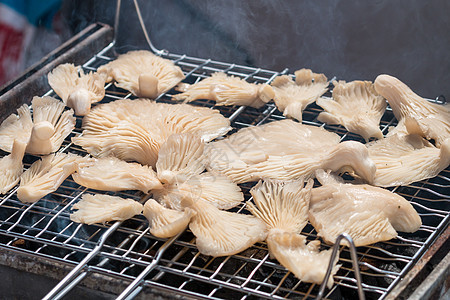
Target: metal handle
x=141, y=21
x=354, y=258
x=134, y=288
x=66, y=280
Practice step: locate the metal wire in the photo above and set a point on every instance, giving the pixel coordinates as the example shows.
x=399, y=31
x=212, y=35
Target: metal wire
x=44, y=230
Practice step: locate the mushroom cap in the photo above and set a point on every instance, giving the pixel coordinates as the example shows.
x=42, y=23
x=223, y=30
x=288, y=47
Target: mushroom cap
x=134, y=130
x=222, y=233
x=368, y=214
x=113, y=174
x=403, y=159
x=291, y=97
x=286, y=150
x=77, y=90
x=51, y=125
x=182, y=154
x=46, y=175
x=355, y=105
x=303, y=259
x=16, y=127
x=11, y=167
x=282, y=205
x=103, y=208
x=127, y=69
x=226, y=90
x=164, y=222
x=417, y=115
x=215, y=189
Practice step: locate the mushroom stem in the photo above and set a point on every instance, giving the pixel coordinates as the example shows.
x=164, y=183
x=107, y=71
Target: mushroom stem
x=266, y=93
x=18, y=150
x=40, y=142
x=148, y=86
x=80, y=101
x=353, y=157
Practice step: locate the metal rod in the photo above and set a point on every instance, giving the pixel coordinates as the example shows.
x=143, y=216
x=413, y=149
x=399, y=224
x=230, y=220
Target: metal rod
x=144, y=30
x=117, y=21
x=135, y=287
x=355, y=265
x=66, y=280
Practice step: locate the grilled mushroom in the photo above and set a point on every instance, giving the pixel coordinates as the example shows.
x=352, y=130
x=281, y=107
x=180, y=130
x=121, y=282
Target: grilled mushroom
x=134, y=130
x=415, y=114
x=164, y=222
x=44, y=133
x=180, y=165
x=142, y=73
x=281, y=205
x=226, y=90
x=113, y=174
x=11, y=167
x=292, y=97
x=284, y=206
x=103, y=208
x=304, y=260
x=78, y=91
x=368, y=214
x=403, y=159
x=355, y=105
x=46, y=175
x=286, y=150
x=222, y=233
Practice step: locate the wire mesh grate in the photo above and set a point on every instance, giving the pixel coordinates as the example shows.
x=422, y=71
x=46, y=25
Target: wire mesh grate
x=44, y=228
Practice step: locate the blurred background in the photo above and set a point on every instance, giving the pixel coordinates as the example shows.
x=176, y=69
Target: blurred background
x=347, y=39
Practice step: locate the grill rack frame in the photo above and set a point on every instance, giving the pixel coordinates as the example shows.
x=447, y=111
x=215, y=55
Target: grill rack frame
x=70, y=194
x=53, y=210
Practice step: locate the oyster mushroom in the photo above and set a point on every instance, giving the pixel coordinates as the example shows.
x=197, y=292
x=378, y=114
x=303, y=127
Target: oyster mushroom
x=215, y=189
x=304, y=260
x=291, y=98
x=284, y=206
x=46, y=175
x=164, y=222
x=180, y=156
x=142, y=73
x=281, y=205
x=103, y=208
x=226, y=90
x=368, y=214
x=415, y=114
x=355, y=105
x=403, y=159
x=113, y=174
x=286, y=150
x=222, y=233
x=78, y=91
x=134, y=130
x=44, y=133
x=11, y=167
x=180, y=165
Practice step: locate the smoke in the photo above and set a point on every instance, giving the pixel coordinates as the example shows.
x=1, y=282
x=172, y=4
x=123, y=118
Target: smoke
x=350, y=40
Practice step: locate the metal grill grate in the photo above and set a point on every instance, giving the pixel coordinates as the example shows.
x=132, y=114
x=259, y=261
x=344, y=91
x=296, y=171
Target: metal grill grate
x=127, y=250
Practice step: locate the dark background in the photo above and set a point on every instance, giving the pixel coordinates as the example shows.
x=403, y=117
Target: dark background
x=347, y=39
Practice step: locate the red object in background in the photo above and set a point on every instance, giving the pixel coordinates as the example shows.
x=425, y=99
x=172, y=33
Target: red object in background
x=11, y=41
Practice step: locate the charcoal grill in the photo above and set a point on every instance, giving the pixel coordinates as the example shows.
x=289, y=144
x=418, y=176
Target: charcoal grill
x=123, y=259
